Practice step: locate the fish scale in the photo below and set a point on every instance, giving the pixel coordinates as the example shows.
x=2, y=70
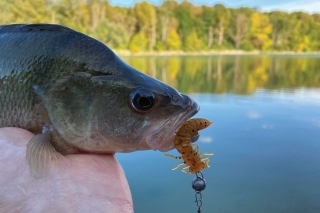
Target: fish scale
x=77, y=96
x=15, y=107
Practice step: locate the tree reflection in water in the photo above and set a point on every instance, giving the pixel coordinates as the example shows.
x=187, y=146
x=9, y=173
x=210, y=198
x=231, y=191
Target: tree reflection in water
x=236, y=74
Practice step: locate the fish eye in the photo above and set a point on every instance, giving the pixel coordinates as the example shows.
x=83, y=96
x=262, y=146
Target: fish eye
x=142, y=100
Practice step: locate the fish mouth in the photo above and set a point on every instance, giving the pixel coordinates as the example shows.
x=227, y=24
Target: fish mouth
x=162, y=138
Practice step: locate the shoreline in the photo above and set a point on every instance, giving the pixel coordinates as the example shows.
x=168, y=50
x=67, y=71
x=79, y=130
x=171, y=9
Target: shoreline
x=125, y=53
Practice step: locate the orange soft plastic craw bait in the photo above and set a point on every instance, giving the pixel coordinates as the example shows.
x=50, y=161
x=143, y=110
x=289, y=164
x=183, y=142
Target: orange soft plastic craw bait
x=193, y=161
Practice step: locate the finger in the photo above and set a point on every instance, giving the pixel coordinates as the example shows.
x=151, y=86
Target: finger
x=92, y=183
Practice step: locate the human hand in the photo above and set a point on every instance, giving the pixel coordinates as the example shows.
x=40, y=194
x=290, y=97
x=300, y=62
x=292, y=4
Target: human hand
x=93, y=183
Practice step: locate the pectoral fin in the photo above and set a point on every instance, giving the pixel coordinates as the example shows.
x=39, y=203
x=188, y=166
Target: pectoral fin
x=41, y=155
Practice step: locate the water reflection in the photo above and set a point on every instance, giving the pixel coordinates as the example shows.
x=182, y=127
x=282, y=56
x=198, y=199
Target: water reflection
x=237, y=74
x=267, y=157
x=266, y=144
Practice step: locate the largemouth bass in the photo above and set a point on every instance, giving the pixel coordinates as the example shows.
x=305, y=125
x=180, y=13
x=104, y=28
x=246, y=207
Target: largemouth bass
x=77, y=96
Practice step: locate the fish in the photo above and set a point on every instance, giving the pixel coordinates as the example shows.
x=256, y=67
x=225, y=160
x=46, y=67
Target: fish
x=77, y=96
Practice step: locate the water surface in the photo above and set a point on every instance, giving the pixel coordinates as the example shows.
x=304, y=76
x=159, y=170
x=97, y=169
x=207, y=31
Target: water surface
x=265, y=136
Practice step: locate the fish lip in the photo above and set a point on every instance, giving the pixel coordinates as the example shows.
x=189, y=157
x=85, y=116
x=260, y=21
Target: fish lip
x=162, y=138
x=195, y=108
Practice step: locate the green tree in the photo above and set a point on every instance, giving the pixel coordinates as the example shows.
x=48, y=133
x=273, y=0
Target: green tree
x=123, y=17
x=240, y=26
x=300, y=37
x=186, y=22
x=222, y=21
x=280, y=29
x=112, y=34
x=74, y=14
x=172, y=25
x=193, y=42
x=146, y=15
x=25, y=11
x=209, y=18
x=165, y=14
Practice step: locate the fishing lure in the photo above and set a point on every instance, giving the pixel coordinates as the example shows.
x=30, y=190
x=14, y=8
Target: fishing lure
x=193, y=161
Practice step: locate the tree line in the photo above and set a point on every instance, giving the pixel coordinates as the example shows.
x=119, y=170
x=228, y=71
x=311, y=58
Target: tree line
x=173, y=26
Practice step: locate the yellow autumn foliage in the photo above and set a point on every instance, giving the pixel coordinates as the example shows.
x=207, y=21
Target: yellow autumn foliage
x=173, y=40
x=261, y=29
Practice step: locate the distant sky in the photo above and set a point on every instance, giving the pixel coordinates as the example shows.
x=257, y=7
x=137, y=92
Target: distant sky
x=310, y=6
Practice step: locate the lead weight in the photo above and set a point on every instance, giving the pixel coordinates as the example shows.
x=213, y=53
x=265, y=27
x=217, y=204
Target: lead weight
x=198, y=184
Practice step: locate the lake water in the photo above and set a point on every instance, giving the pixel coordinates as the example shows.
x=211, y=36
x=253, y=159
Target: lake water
x=265, y=136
